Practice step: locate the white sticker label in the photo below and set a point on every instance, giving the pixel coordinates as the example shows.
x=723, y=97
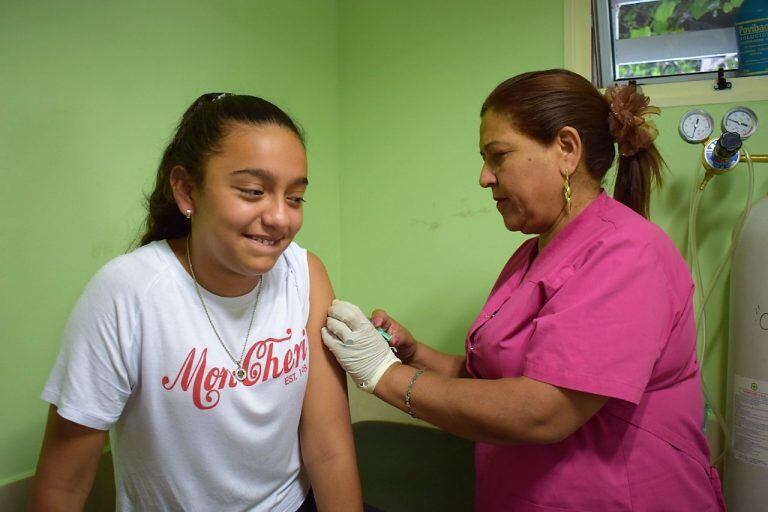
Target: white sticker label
x=750, y=421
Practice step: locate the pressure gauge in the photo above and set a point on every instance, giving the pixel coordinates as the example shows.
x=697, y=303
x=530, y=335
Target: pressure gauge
x=696, y=126
x=740, y=120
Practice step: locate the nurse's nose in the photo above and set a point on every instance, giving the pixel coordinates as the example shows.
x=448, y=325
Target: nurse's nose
x=487, y=177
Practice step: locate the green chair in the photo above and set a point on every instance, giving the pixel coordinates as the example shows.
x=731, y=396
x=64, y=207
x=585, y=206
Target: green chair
x=407, y=467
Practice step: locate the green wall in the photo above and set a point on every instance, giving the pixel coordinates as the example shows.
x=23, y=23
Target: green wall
x=420, y=238
x=389, y=93
x=89, y=95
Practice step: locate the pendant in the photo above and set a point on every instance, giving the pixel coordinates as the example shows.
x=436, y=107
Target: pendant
x=239, y=374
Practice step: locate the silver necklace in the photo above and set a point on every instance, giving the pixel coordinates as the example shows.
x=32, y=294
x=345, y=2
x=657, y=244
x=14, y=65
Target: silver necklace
x=240, y=372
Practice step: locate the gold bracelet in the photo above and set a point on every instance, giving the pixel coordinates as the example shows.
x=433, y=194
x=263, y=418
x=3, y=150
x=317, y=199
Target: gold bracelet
x=410, y=390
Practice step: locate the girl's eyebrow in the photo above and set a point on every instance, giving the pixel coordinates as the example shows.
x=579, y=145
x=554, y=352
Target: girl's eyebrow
x=268, y=175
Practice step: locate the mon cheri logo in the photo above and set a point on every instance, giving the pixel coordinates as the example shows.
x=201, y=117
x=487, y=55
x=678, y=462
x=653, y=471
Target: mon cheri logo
x=206, y=383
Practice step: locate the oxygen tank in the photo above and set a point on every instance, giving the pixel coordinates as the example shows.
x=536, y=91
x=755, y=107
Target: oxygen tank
x=746, y=467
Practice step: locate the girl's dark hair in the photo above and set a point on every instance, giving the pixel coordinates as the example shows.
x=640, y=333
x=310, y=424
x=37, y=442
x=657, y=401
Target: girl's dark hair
x=541, y=103
x=198, y=136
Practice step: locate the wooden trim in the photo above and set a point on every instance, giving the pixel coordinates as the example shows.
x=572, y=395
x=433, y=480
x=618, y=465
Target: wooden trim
x=577, y=37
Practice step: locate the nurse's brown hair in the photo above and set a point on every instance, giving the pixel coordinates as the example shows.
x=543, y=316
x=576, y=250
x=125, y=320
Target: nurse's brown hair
x=541, y=103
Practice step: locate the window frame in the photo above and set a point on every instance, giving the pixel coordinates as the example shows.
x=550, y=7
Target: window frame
x=577, y=53
x=687, y=45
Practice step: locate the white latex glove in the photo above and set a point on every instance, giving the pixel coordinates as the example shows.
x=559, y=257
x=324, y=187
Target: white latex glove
x=358, y=346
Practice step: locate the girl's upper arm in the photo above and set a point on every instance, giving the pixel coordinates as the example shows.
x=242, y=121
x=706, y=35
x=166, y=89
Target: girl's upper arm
x=325, y=431
x=68, y=463
x=325, y=411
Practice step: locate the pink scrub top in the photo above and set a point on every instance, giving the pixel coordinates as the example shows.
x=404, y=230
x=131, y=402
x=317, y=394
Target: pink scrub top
x=605, y=308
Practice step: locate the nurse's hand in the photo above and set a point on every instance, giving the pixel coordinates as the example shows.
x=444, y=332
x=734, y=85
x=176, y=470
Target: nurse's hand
x=360, y=349
x=402, y=339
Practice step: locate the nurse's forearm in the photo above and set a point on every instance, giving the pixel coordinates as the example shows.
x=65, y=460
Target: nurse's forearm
x=504, y=411
x=447, y=365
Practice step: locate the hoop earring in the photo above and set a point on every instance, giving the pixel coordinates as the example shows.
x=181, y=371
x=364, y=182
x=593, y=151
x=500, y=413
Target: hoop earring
x=567, y=192
x=188, y=213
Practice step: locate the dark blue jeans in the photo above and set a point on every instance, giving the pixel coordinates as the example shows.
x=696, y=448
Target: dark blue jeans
x=310, y=506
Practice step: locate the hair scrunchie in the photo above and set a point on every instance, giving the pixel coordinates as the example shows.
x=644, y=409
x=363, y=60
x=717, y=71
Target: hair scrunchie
x=626, y=121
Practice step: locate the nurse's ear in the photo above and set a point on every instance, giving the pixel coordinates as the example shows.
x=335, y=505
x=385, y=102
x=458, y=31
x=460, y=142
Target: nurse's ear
x=569, y=147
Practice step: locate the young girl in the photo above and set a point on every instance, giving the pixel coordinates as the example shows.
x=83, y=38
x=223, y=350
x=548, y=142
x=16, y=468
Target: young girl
x=201, y=349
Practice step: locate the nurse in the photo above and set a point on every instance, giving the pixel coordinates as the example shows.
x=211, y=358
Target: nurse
x=580, y=384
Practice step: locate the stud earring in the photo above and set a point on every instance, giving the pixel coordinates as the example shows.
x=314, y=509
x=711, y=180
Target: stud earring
x=567, y=192
x=188, y=213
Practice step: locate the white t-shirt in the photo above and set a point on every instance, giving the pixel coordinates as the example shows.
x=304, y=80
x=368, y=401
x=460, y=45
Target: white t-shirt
x=139, y=357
